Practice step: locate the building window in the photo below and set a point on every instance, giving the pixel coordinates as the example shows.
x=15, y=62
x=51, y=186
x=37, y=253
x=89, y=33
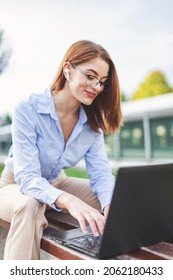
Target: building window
x=5, y=143
x=132, y=140
x=162, y=137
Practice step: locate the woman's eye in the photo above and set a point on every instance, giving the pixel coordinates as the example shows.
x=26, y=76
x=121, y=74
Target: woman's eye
x=90, y=77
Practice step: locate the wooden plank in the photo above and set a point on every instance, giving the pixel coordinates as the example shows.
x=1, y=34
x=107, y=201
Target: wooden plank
x=163, y=249
x=60, y=218
x=59, y=251
x=4, y=224
x=140, y=255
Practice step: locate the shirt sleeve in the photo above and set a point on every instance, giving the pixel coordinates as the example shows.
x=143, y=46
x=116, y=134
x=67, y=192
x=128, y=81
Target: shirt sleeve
x=100, y=173
x=27, y=169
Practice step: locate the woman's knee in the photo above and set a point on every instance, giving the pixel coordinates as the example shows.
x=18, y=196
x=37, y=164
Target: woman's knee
x=28, y=204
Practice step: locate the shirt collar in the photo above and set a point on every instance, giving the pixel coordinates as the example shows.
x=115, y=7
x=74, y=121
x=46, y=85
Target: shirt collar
x=46, y=105
x=44, y=102
x=82, y=115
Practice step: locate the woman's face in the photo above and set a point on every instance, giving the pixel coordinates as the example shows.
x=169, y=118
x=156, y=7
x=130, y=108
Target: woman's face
x=86, y=80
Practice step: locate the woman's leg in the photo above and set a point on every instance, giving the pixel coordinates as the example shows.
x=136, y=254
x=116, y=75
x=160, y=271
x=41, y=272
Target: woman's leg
x=27, y=219
x=80, y=188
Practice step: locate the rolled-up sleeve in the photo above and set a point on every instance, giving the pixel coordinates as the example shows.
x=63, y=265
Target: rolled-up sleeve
x=100, y=173
x=27, y=169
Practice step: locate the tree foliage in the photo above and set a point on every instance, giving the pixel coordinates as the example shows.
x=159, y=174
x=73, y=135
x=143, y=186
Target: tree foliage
x=4, y=54
x=123, y=96
x=154, y=84
x=5, y=119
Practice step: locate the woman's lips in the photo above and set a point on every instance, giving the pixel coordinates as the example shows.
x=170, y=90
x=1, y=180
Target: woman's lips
x=90, y=94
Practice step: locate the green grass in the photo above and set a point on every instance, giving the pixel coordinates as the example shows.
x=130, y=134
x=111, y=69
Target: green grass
x=74, y=172
x=1, y=167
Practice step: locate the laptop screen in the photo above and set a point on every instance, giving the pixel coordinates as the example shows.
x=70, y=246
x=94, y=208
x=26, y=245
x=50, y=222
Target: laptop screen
x=141, y=211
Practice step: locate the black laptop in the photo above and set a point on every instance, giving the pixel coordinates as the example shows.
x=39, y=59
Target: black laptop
x=141, y=214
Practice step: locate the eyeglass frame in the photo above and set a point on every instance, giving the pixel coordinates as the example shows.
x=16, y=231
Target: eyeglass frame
x=102, y=84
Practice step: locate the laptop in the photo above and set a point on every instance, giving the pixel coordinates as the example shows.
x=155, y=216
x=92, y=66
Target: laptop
x=141, y=214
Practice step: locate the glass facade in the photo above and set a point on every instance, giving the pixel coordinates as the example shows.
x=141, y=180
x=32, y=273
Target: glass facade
x=161, y=131
x=5, y=144
x=132, y=140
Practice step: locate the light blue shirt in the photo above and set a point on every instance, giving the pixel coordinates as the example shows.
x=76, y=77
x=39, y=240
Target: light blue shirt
x=39, y=153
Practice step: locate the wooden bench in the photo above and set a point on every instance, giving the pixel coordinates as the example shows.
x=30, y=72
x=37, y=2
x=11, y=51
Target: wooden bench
x=62, y=222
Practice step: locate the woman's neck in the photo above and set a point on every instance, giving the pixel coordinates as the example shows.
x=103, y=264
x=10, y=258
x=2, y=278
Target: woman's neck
x=66, y=104
x=67, y=109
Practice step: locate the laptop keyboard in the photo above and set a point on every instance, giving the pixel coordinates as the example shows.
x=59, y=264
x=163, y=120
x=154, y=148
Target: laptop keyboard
x=88, y=241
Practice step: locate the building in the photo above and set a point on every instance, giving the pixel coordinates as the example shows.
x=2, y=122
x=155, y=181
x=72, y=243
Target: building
x=147, y=134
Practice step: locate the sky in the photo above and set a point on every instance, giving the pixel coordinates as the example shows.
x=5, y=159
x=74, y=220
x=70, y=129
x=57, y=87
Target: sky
x=138, y=34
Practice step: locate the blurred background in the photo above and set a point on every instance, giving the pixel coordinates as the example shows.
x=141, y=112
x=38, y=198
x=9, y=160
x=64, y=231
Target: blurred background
x=138, y=34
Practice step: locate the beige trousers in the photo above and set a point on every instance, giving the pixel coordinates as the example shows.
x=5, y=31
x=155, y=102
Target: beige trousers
x=26, y=214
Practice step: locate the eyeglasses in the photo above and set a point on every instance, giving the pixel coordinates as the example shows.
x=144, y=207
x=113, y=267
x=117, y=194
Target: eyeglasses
x=93, y=81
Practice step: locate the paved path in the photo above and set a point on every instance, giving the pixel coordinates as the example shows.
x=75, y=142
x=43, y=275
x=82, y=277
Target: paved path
x=2, y=242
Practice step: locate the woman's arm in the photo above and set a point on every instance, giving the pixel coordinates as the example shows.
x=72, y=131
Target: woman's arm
x=100, y=173
x=27, y=168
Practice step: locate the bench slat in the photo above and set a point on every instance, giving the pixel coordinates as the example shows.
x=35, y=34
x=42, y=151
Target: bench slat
x=162, y=249
x=4, y=224
x=58, y=251
x=60, y=218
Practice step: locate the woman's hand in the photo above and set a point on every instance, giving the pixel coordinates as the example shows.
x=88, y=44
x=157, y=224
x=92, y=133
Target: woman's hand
x=82, y=212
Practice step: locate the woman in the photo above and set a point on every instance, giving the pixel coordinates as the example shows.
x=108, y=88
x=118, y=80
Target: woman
x=52, y=131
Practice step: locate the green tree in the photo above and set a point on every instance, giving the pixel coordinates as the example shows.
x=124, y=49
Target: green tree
x=154, y=84
x=5, y=119
x=4, y=53
x=123, y=96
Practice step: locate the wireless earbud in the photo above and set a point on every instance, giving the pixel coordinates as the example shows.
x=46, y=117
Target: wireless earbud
x=67, y=72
